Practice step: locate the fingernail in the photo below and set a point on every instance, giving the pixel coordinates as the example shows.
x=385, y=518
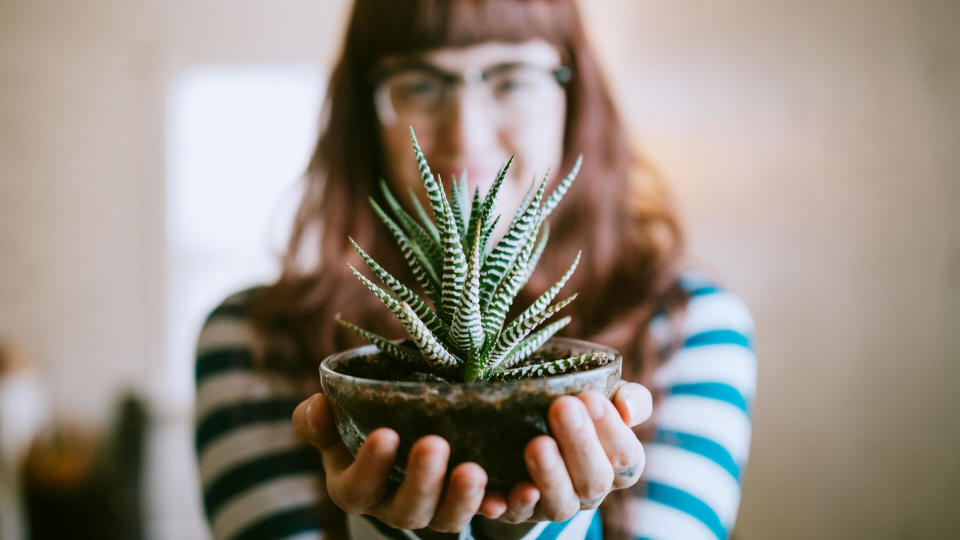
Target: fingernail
x=571, y=417
x=308, y=414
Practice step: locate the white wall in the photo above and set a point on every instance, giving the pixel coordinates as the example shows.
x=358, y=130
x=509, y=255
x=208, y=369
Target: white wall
x=812, y=147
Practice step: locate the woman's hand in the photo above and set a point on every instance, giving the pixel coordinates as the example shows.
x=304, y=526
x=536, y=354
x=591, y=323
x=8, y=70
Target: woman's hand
x=358, y=485
x=594, y=451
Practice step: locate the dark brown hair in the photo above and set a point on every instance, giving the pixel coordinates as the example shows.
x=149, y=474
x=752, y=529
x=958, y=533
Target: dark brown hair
x=617, y=211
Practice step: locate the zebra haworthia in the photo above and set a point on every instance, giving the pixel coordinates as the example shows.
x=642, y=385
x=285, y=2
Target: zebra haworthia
x=470, y=282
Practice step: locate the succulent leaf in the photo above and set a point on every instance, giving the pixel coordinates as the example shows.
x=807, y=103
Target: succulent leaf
x=415, y=232
x=508, y=248
x=466, y=331
x=428, y=223
x=518, y=330
x=418, y=261
x=454, y=260
x=516, y=278
x=562, y=188
x=532, y=343
x=434, y=353
x=404, y=294
x=456, y=205
x=391, y=349
x=555, y=367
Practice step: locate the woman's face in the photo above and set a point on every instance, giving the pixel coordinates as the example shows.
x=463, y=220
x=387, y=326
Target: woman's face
x=472, y=108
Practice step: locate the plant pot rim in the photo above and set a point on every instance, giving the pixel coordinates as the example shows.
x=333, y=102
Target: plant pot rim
x=327, y=372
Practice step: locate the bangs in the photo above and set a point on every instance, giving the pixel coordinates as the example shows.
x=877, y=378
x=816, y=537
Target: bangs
x=380, y=28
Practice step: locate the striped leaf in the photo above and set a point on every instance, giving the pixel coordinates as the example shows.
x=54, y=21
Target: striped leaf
x=490, y=200
x=428, y=223
x=555, y=367
x=434, y=353
x=399, y=353
x=545, y=298
x=513, y=334
x=404, y=294
x=465, y=330
x=516, y=278
x=538, y=249
x=415, y=232
x=508, y=248
x=454, y=261
x=388, y=300
x=532, y=343
x=561, y=190
x=456, y=205
x=417, y=260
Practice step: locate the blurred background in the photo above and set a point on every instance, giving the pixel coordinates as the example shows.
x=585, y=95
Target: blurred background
x=149, y=153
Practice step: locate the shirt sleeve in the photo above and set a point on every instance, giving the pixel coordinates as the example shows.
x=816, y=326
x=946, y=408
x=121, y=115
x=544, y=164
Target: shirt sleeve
x=690, y=487
x=259, y=479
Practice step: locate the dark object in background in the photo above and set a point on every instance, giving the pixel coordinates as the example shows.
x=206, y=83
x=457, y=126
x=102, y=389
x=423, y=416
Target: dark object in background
x=81, y=486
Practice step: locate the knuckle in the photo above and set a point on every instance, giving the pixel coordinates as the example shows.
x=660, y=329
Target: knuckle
x=352, y=500
x=408, y=521
x=562, y=512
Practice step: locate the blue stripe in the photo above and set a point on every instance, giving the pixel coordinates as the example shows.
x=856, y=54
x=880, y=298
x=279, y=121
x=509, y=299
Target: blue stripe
x=553, y=530
x=702, y=446
x=712, y=390
x=704, y=291
x=717, y=337
x=688, y=504
x=256, y=471
x=232, y=417
x=283, y=524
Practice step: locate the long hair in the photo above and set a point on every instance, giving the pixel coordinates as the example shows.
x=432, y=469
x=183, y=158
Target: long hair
x=617, y=211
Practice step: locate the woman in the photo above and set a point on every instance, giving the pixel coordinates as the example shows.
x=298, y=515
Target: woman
x=479, y=81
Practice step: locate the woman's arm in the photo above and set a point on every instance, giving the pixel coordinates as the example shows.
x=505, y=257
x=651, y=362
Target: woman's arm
x=691, y=485
x=259, y=479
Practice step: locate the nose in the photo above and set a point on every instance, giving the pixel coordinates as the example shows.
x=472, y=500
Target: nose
x=469, y=127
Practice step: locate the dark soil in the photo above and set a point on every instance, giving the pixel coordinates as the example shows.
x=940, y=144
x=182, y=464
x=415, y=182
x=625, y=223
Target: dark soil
x=483, y=423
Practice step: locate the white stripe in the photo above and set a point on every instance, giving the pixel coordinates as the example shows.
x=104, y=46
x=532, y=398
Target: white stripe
x=265, y=500
x=654, y=520
x=245, y=444
x=224, y=332
x=721, y=422
x=721, y=309
x=577, y=528
x=715, y=311
x=360, y=528
x=696, y=475
x=729, y=364
x=309, y=535
x=239, y=386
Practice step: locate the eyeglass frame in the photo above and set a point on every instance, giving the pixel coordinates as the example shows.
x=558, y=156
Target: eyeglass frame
x=560, y=73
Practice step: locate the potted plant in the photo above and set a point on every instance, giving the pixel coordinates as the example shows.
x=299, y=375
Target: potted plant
x=464, y=372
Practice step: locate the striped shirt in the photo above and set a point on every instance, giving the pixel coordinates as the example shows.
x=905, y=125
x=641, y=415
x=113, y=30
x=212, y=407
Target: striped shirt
x=261, y=481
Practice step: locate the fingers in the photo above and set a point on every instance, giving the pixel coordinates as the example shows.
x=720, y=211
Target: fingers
x=359, y=485
x=414, y=503
x=634, y=402
x=521, y=503
x=313, y=422
x=623, y=450
x=462, y=498
x=587, y=464
x=493, y=506
x=558, y=500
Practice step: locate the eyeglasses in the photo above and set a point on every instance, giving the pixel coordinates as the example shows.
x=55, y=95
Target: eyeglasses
x=419, y=92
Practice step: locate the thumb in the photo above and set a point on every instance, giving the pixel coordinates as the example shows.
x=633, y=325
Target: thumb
x=313, y=422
